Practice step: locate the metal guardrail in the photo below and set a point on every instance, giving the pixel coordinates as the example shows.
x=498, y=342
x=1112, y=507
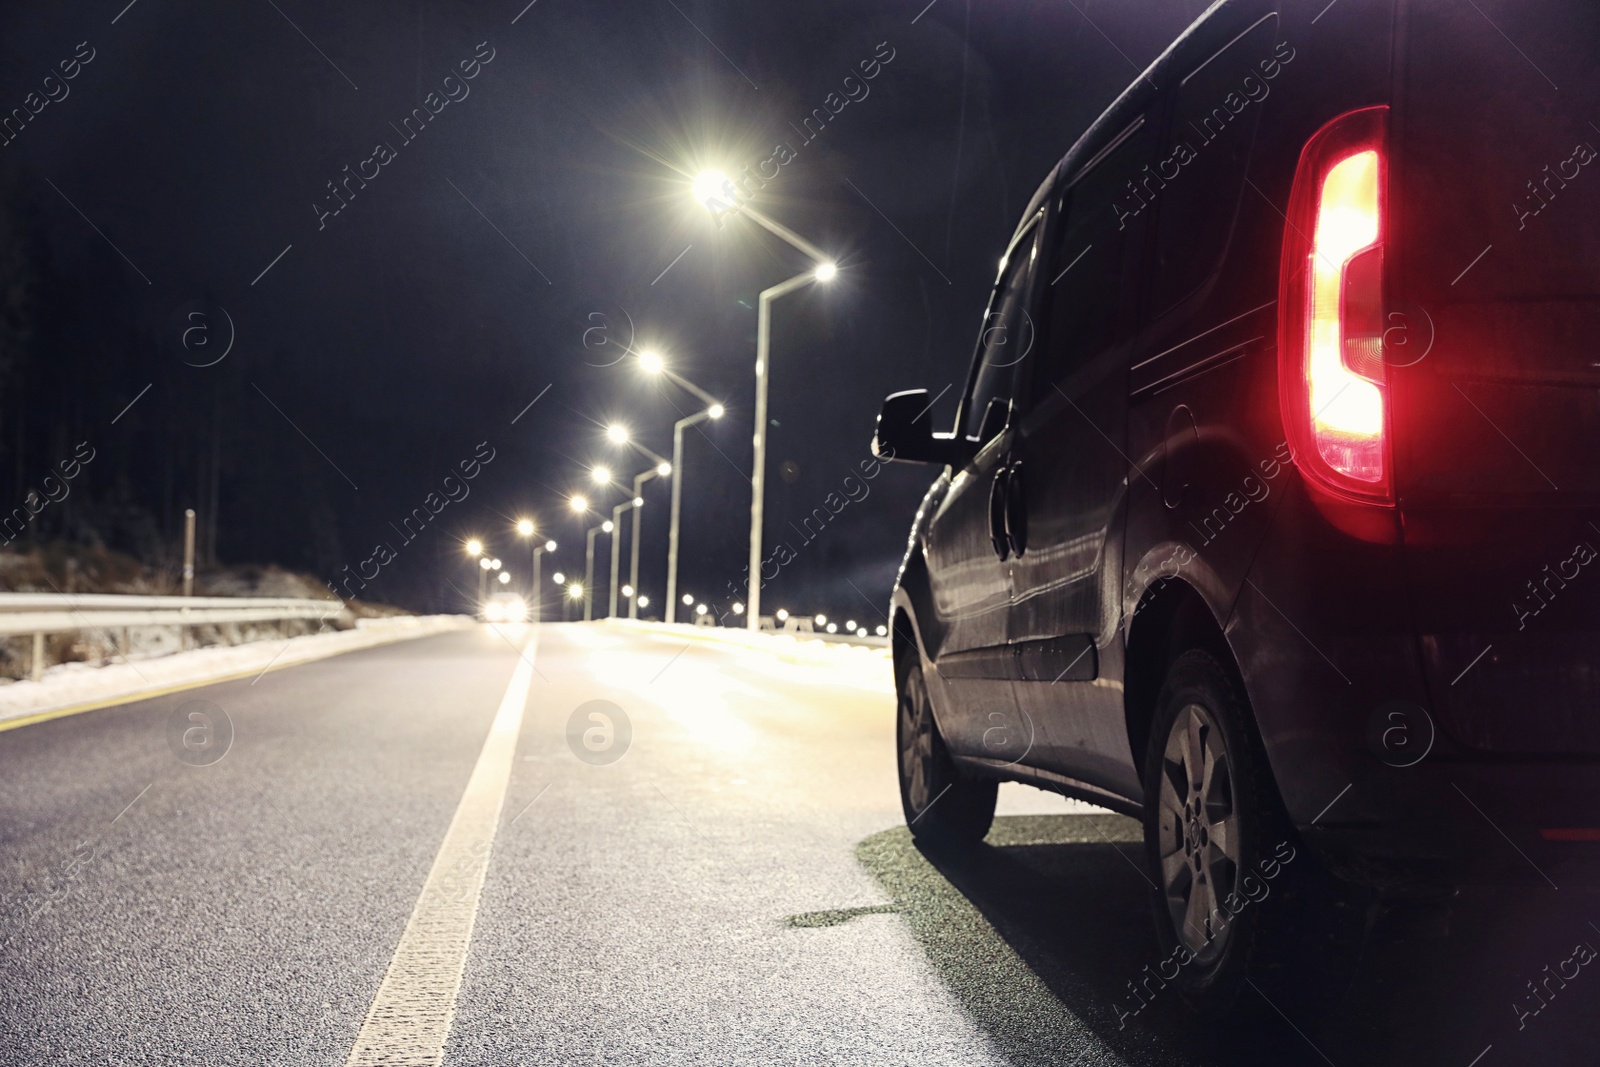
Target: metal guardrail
x=46, y=613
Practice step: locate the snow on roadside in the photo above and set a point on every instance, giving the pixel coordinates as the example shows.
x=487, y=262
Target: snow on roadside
x=69, y=685
x=863, y=664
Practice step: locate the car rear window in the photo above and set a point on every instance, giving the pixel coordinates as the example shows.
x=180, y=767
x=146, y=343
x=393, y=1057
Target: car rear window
x=1084, y=285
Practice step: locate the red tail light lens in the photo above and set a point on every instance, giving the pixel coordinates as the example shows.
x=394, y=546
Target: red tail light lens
x=1330, y=342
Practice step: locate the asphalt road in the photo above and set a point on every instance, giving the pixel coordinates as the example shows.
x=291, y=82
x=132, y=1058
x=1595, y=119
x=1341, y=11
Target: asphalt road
x=731, y=884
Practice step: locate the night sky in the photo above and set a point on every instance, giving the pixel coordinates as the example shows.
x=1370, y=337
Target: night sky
x=501, y=251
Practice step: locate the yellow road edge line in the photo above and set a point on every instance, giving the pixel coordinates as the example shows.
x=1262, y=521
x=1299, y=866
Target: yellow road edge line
x=161, y=691
x=414, y=1008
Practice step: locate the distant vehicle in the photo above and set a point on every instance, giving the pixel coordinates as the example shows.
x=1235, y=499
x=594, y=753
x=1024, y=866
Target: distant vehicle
x=1270, y=509
x=504, y=607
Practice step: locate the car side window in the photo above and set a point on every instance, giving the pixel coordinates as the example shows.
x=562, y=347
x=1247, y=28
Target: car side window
x=1006, y=338
x=1085, y=284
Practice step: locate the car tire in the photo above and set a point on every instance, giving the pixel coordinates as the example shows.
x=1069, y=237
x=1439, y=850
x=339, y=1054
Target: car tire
x=943, y=805
x=1237, y=899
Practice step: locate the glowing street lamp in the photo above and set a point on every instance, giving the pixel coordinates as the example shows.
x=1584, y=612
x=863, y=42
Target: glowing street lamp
x=579, y=504
x=525, y=527
x=505, y=577
x=710, y=189
x=600, y=476
x=617, y=433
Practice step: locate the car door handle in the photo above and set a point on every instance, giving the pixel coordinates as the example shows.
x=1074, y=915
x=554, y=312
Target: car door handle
x=998, y=492
x=1015, y=513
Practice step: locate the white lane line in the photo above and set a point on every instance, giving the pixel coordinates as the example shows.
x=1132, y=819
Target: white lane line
x=410, y=1018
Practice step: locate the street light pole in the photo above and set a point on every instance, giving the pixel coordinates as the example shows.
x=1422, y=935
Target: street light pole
x=720, y=196
x=538, y=590
x=616, y=556
x=714, y=410
x=677, y=508
x=758, y=476
x=633, y=554
x=663, y=470
x=589, y=568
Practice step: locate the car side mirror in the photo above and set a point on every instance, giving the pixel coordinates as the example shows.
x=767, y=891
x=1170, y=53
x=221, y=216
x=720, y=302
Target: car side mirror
x=905, y=431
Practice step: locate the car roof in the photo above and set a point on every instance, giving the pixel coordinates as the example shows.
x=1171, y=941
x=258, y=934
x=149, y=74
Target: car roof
x=1131, y=102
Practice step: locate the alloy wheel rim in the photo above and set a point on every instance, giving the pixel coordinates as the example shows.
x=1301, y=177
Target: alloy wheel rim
x=916, y=744
x=1199, y=832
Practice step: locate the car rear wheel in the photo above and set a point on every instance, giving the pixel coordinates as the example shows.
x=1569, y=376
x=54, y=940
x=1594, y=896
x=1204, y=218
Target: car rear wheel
x=1236, y=898
x=1198, y=831
x=943, y=805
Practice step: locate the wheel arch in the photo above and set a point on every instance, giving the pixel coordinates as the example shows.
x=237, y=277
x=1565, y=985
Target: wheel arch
x=907, y=602
x=905, y=638
x=1171, y=617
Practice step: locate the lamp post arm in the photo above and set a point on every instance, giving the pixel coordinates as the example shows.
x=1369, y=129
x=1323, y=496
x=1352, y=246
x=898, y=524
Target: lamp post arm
x=787, y=286
x=699, y=393
x=780, y=230
x=655, y=457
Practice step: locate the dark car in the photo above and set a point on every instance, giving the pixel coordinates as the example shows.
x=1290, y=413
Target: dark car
x=1271, y=510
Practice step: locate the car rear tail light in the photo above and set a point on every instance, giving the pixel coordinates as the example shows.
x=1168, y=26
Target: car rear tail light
x=1330, y=321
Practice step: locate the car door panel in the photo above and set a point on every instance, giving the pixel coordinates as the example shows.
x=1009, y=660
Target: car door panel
x=1071, y=477
x=969, y=576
